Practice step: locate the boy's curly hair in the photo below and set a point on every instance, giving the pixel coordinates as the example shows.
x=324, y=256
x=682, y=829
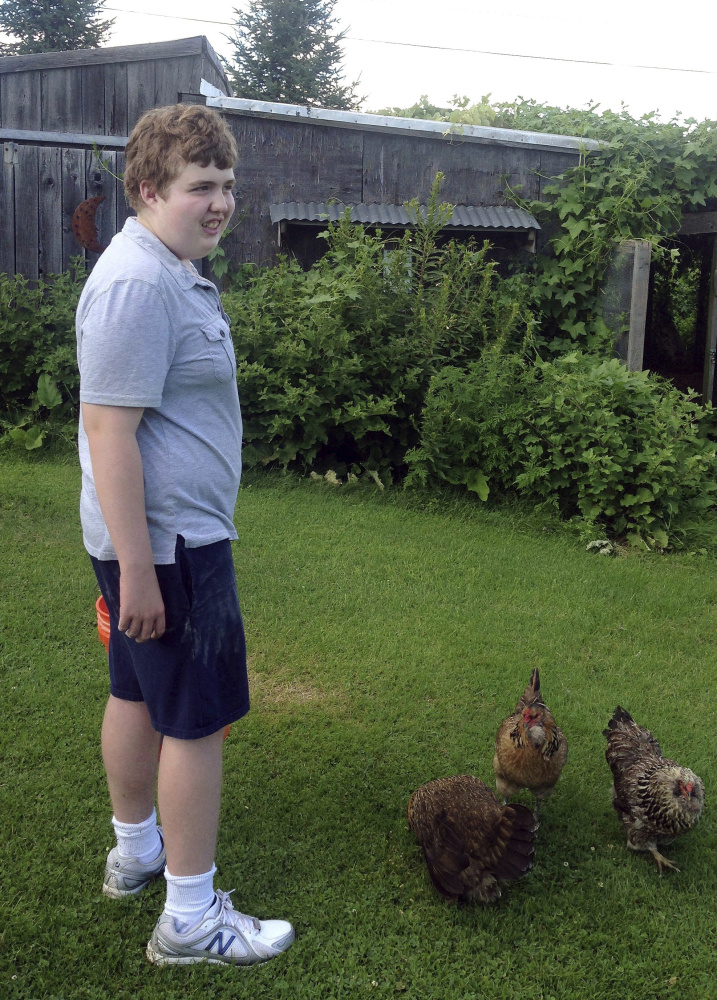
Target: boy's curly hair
x=164, y=140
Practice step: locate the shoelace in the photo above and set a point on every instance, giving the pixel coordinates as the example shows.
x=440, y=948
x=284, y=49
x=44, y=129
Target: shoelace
x=231, y=916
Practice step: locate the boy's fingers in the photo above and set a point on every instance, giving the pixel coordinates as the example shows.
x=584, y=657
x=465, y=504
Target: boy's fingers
x=142, y=630
x=159, y=626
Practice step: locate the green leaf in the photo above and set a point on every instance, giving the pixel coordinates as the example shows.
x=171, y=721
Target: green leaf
x=477, y=483
x=47, y=392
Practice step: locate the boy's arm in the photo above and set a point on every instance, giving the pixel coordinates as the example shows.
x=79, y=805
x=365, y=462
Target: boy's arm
x=117, y=470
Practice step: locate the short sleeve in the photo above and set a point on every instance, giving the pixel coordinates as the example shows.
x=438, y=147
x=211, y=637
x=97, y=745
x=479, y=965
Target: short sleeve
x=125, y=346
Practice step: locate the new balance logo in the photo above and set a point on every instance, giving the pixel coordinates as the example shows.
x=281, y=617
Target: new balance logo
x=218, y=940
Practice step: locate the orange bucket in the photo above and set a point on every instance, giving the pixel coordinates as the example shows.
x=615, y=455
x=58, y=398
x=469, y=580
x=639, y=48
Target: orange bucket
x=103, y=631
x=103, y=622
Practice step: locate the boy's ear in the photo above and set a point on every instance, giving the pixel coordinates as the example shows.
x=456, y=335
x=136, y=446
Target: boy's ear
x=148, y=192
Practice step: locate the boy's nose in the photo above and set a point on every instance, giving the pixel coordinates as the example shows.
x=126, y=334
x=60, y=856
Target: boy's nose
x=222, y=202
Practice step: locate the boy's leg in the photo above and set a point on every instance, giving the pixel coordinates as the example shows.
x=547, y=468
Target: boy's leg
x=199, y=924
x=130, y=747
x=189, y=792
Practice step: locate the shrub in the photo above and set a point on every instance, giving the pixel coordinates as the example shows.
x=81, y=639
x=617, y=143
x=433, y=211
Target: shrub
x=39, y=381
x=333, y=364
x=621, y=449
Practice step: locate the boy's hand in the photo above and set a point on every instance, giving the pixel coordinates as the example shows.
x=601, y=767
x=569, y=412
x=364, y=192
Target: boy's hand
x=141, y=605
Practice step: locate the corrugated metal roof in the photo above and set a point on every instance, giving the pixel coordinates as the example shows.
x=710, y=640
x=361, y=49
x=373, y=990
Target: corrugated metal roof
x=464, y=216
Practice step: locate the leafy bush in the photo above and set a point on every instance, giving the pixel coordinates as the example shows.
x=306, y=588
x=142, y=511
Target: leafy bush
x=39, y=381
x=333, y=364
x=621, y=449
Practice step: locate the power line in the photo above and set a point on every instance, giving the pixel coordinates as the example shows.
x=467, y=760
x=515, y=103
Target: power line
x=169, y=17
x=440, y=48
x=516, y=55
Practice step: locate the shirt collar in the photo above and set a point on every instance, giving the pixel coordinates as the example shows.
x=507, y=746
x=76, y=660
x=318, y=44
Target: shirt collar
x=140, y=235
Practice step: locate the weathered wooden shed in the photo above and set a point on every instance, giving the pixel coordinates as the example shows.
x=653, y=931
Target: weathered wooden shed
x=56, y=110
x=295, y=161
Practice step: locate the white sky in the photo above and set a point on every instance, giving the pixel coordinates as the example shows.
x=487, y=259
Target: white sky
x=568, y=35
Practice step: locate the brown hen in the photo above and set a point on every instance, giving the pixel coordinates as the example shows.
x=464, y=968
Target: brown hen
x=470, y=841
x=655, y=798
x=530, y=750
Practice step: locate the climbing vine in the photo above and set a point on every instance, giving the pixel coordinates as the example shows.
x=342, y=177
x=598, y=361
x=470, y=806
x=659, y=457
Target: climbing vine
x=638, y=184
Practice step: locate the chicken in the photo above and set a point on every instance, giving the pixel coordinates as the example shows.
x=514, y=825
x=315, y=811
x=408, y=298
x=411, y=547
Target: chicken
x=470, y=841
x=530, y=750
x=655, y=798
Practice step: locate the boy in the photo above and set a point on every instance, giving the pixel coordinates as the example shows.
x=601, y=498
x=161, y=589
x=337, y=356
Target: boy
x=160, y=449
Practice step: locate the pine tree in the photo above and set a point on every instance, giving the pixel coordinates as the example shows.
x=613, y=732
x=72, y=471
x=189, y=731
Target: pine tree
x=286, y=51
x=52, y=25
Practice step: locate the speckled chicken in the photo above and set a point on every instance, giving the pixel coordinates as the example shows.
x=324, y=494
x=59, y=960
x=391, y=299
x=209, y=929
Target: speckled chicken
x=655, y=798
x=470, y=841
x=530, y=750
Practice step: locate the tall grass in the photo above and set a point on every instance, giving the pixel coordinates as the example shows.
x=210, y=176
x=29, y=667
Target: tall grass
x=388, y=640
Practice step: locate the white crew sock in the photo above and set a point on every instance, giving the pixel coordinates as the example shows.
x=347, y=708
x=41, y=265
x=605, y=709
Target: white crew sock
x=189, y=897
x=138, y=840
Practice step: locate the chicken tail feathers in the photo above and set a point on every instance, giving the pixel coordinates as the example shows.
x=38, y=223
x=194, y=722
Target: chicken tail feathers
x=619, y=718
x=515, y=843
x=625, y=738
x=446, y=860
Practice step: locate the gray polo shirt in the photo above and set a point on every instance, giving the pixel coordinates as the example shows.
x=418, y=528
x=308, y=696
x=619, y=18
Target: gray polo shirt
x=151, y=333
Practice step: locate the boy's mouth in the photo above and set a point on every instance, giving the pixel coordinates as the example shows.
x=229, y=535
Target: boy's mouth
x=213, y=226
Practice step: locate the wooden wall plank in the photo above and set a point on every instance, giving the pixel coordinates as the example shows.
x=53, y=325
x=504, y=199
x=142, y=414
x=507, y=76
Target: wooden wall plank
x=100, y=180
x=173, y=77
x=26, y=212
x=92, y=81
x=115, y=100
x=49, y=210
x=141, y=88
x=73, y=192
x=21, y=100
x=7, y=210
x=62, y=100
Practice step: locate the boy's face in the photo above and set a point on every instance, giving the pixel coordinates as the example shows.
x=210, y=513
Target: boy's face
x=193, y=213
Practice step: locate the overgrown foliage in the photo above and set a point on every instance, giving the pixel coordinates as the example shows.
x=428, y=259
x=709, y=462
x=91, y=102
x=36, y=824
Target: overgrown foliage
x=623, y=450
x=39, y=381
x=637, y=185
x=461, y=110
x=333, y=363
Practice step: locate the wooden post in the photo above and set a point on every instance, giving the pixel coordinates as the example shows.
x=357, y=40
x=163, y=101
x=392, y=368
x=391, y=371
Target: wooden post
x=642, y=256
x=711, y=339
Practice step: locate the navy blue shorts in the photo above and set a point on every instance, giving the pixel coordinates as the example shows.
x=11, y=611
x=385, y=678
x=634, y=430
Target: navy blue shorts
x=194, y=679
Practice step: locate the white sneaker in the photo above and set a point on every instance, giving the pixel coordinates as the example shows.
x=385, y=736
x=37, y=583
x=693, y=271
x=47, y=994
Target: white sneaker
x=128, y=876
x=222, y=935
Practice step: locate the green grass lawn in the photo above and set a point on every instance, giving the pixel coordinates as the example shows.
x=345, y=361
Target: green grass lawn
x=388, y=640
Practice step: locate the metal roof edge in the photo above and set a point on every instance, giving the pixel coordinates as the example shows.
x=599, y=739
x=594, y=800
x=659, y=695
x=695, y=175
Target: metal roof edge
x=406, y=126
